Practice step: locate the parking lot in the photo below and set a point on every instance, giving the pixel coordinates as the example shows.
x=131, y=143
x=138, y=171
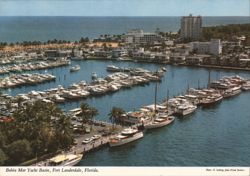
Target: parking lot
x=98, y=136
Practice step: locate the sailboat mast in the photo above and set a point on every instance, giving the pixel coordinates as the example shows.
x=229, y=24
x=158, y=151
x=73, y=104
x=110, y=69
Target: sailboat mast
x=155, y=96
x=167, y=95
x=209, y=78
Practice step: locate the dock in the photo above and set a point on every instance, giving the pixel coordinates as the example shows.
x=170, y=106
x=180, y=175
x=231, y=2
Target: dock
x=100, y=86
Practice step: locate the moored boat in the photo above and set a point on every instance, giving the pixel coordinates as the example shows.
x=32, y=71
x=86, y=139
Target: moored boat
x=246, y=86
x=126, y=136
x=185, y=109
x=211, y=100
x=232, y=92
x=160, y=121
x=75, y=68
x=113, y=68
x=63, y=160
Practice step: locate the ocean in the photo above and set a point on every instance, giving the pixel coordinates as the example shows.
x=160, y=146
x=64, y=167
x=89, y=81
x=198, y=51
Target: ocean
x=18, y=29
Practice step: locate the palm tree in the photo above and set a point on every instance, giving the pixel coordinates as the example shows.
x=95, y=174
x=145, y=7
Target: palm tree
x=115, y=113
x=63, y=131
x=8, y=105
x=88, y=112
x=85, y=108
x=92, y=113
x=19, y=101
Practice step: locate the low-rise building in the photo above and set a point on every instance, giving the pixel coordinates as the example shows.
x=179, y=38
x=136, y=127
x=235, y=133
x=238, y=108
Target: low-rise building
x=176, y=58
x=137, y=36
x=213, y=47
x=147, y=55
x=182, y=49
x=77, y=53
x=161, y=57
x=51, y=53
x=244, y=63
x=101, y=53
x=118, y=53
x=196, y=59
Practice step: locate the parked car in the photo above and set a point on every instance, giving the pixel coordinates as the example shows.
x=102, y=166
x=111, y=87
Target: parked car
x=75, y=142
x=96, y=136
x=87, y=140
x=87, y=130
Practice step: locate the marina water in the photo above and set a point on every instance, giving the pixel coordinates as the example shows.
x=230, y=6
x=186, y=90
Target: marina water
x=214, y=136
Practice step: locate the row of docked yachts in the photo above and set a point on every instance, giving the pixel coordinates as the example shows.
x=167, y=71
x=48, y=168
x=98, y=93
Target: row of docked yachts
x=156, y=116
x=133, y=133
x=136, y=71
x=24, y=79
x=99, y=86
x=216, y=91
x=34, y=66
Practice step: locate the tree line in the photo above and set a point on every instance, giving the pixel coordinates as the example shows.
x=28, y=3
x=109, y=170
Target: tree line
x=37, y=43
x=38, y=128
x=227, y=32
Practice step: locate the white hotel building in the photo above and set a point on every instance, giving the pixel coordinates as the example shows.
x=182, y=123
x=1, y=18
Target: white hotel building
x=213, y=47
x=137, y=36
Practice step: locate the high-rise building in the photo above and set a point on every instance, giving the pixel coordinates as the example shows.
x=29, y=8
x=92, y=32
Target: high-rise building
x=191, y=27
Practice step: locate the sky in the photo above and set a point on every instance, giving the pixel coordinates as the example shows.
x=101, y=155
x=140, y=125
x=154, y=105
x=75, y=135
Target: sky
x=124, y=7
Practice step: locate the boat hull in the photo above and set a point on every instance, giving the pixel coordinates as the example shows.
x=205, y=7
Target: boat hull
x=232, y=94
x=187, y=111
x=73, y=163
x=127, y=140
x=209, y=103
x=158, y=125
x=245, y=88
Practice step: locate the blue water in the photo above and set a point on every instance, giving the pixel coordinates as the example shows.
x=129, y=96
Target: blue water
x=215, y=136
x=16, y=29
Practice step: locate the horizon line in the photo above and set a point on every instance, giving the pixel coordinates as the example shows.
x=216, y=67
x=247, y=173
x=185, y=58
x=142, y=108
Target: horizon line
x=117, y=16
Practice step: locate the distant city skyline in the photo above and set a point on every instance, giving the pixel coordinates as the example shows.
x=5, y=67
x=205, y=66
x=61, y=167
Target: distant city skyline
x=124, y=7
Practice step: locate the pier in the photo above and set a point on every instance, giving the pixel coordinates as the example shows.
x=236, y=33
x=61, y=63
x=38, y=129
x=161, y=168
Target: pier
x=99, y=86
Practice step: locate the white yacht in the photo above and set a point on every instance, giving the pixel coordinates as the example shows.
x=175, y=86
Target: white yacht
x=214, y=98
x=126, y=136
x=58, y=99
x=159, y=121
x=232, y=92
x=112, y=68
x=75, y=68
x=246, y=86
x=185, y=109
x=63, y=160
x=69, y=95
